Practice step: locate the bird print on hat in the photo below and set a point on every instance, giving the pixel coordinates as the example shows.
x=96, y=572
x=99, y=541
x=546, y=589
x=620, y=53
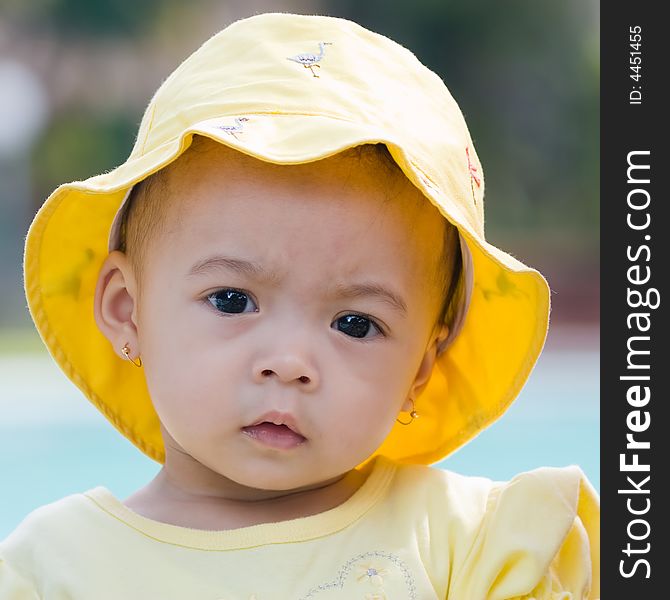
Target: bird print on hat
x=236, y=128
x=309, y=60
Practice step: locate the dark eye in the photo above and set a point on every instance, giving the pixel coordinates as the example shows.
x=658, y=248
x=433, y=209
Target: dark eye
x=356, y=326
x=230, y=301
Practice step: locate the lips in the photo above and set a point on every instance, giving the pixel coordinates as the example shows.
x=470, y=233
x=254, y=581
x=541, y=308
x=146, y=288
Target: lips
x=279, y=418
x=276, y=430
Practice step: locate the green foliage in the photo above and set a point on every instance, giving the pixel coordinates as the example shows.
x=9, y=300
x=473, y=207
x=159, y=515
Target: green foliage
x=87, y=18
x=78, y=145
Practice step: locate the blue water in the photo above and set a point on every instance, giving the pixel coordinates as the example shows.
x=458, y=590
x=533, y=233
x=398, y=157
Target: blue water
x=54, y=443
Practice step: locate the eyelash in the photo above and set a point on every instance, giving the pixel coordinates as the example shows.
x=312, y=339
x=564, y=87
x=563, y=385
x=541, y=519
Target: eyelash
x=225, y=315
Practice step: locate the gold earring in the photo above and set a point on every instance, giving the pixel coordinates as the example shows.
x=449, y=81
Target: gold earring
x=126, y=352
x=413, y=414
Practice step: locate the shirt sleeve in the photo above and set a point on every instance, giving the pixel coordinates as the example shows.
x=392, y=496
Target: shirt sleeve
x=13, y=586
x=539, y=539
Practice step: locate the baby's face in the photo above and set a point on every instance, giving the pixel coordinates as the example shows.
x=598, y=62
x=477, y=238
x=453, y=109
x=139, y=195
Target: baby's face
x=293, y=289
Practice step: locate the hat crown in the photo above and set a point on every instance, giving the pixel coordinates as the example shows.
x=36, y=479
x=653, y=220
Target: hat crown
x=253, y=67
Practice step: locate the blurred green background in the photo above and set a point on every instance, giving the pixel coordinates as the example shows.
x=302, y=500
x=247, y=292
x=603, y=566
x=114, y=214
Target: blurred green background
x=76, y=76
x=526, y=75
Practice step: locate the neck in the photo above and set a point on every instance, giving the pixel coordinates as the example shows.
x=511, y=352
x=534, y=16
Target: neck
x=179, y=497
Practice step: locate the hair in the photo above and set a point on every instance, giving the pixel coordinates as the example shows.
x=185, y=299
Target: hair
x=145, y=218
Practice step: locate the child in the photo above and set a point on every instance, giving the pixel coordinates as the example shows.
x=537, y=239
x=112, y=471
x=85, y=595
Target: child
x=293, y=260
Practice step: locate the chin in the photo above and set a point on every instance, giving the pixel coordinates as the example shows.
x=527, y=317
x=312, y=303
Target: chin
x=270, y=477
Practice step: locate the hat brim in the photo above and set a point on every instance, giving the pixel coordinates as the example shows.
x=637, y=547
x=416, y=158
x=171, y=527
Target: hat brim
x=474, y=380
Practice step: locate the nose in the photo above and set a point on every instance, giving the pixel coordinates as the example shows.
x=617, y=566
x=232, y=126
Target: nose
x=286, y=368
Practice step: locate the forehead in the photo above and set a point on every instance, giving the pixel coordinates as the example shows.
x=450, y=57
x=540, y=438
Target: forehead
x=210, y=172
x=345, y=205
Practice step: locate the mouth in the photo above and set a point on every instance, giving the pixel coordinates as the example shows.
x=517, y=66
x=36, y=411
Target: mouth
x=275, y=436
x=277, y=430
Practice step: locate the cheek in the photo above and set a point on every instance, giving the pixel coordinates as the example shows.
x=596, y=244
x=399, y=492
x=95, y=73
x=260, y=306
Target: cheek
x=191, y=382
x=367, y=406
x=188, y=405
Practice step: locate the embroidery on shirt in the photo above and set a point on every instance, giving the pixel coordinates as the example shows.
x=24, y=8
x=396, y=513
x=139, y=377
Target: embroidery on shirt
x=369, y=573
x=309, y=60
x=234, y=129
x=372, y=573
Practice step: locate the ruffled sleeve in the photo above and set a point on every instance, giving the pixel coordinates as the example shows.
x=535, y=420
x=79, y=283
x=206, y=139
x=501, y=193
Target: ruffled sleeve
x=13, y=586
x=539, y=539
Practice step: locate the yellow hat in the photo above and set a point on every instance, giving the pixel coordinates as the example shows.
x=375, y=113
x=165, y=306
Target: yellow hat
x=291, y=89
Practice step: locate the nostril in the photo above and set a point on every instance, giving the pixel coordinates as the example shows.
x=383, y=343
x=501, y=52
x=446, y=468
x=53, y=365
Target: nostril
x=302, y=378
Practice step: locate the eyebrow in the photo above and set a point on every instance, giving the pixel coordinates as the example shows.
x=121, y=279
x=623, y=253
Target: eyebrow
x=256, y=271
x=227, y=263
x=356, y=290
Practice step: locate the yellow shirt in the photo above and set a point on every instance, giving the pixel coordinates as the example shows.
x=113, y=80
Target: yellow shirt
x=409, y=532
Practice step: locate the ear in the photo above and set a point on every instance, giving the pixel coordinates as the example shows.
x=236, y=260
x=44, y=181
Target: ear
x=114, y=304
x=426, y=366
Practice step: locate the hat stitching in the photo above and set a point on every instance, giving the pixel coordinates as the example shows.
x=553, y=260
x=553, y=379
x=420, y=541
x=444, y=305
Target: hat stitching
x=148, y=129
